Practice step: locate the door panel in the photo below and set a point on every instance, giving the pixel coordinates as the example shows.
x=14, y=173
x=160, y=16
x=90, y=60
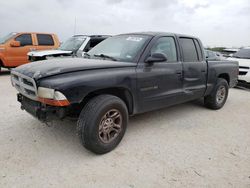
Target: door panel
x=194, y=68
x=160, y=84
x=194, y=83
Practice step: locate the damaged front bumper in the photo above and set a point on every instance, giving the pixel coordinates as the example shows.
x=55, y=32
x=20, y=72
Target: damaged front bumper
x=43, y=112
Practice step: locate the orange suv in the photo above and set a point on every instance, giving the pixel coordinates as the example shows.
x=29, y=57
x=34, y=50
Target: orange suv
x=15, y=46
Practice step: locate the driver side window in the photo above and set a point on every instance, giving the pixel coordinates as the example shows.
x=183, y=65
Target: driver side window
x=24, y=39
x=166, y=46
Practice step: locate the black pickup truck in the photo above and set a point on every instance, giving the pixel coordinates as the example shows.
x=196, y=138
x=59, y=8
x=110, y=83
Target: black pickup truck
x=122, y=76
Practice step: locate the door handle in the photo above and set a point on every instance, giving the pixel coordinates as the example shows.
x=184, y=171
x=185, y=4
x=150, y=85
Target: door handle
x=179, y=73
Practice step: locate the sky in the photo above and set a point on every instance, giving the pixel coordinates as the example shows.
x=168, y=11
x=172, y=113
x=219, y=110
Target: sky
x=216, y=22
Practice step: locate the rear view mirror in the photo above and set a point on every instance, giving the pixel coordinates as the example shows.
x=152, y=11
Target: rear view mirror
x=156, y=57
x=15, y=44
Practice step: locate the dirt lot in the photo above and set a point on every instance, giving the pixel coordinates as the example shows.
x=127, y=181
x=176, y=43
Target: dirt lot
x=182, y=146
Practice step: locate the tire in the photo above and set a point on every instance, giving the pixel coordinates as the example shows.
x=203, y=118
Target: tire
x=218, y=97
x=99, y=122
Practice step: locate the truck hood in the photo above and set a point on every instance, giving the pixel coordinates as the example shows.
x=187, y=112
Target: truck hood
x=42, y=69
x=42, y=53
x=242, y=62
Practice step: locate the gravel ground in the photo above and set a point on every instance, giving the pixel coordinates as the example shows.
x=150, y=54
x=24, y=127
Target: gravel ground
x=182, y=146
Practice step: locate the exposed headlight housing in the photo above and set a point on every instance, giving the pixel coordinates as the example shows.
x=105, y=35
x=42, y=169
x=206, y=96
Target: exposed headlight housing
x=52, y=97
x=46, y=93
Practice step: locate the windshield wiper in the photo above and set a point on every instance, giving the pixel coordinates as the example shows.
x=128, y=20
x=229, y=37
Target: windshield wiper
x=241, y=57
x=105, y=56
x=236, y=56
x=86, y=54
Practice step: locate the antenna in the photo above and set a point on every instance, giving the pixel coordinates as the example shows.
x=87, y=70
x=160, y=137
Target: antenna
x=75, y=26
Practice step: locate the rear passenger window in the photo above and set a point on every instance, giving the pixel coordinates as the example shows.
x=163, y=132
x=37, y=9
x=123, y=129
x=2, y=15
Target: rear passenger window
x=24, y=39
x=198, y=47
x=94, y=42
x=45, y=40
x=166, y=45
x=189, y=50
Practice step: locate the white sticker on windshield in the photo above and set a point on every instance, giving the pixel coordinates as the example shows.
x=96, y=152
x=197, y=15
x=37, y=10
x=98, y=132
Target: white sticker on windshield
x=135, y=39
x=80, y=39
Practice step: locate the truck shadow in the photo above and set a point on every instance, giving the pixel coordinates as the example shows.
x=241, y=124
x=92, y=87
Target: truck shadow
x=243, y=87
x=4, y=72
x=165, y=115
x=65, y=131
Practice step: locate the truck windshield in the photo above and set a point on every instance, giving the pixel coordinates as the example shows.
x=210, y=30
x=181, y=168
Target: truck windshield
x=120, y=48
x=73, y=43
x=243, y=53
x=6, y=38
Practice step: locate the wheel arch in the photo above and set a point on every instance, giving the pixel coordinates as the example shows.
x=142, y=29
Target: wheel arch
x=225, y=76
x=123, y=93
x=1, y=62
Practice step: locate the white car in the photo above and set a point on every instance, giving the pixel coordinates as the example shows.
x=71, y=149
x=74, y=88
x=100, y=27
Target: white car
x=214, y=56
x=76, y=45
x=243, y=57
x=229, y=52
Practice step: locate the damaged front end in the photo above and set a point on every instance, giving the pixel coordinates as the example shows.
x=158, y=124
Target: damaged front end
x=42, y=112
x=44, y=104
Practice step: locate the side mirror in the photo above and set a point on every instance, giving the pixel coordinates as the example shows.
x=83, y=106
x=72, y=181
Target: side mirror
x=15, y=44
x=156, y=58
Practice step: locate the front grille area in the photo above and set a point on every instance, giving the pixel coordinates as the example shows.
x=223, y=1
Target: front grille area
x=24, y=84
x=243, y=67
x=243, y=70
x=242, y=73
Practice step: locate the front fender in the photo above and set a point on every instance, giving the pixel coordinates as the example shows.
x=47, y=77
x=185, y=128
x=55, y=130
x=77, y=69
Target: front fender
x=77, y=85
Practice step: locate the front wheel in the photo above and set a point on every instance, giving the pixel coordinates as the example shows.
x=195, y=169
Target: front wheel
x=102, y=123
x=218, y=97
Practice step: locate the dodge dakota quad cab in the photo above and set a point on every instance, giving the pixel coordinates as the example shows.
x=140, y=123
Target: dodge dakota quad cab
x=123, y=75
x=75, y=46
x=15, y=46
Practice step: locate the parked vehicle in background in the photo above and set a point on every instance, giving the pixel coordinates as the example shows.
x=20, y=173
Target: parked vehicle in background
x=124, y=75
x=15, y=46
x=74, y=46
x=228, y=52
x=213, y=56
x=243, y=57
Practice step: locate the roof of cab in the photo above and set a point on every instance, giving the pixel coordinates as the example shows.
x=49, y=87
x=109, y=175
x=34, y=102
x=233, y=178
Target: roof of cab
x=101, y=36
x=156, y=33
x=34, y=33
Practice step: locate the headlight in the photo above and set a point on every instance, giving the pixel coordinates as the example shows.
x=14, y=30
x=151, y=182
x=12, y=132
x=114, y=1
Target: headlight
x=52, y=97
x=46, y=93
x=59, y=96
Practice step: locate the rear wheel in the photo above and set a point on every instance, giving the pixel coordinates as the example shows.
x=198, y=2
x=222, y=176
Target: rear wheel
x=218, y=97
x=102, y=123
